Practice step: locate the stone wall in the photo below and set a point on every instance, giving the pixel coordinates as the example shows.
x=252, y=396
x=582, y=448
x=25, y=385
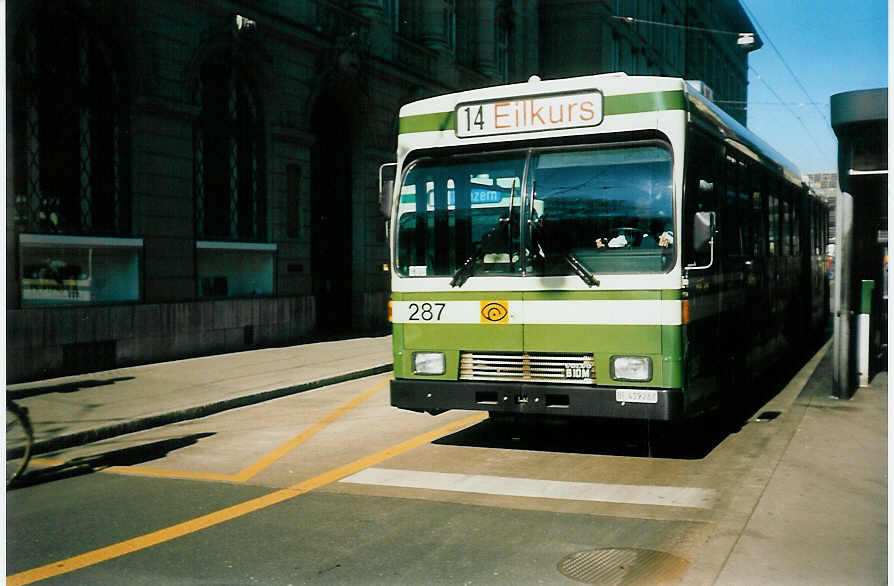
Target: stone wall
x=48, y=342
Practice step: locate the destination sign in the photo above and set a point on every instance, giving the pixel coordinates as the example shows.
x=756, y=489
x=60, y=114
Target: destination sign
x=529, y=114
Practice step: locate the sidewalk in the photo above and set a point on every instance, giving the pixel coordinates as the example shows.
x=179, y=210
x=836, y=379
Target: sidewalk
x=822, y=516
x=79, y=409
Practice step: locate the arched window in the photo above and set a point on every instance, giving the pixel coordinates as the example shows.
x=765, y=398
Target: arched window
x=70, y=128
x=228, y=155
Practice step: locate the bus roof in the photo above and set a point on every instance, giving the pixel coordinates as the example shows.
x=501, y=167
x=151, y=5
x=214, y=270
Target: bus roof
x=615, y=94
x=733, y=132
x=608, y=83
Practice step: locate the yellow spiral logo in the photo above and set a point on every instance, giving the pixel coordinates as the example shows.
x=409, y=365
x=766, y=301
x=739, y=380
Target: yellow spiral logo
x=494, y=312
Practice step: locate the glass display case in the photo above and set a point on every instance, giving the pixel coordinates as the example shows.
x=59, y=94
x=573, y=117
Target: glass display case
x=235, y=269
x=74, y=270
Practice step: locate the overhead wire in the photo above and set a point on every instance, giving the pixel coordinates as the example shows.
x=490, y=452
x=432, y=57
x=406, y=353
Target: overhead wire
x=792, y=112
x=634, y=20
x=756, y=103
x=788, y=105
x=766, y=37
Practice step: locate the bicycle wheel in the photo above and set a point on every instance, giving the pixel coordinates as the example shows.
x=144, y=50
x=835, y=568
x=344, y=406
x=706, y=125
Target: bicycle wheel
x=19, y=437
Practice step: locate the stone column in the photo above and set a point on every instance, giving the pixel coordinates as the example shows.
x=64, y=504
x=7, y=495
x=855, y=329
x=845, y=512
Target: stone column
x=380, y=25
x=433, y=34
x=487, y=37
x=531, y=24
x=371, y=9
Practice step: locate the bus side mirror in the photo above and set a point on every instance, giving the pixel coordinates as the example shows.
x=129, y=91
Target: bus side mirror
x=703, y=229
x=386, y=188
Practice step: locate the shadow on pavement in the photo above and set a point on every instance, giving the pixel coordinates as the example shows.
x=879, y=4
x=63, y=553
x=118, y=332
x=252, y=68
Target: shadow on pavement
x=64, y=387
x=689, y=440
x=120, y=457
x=693, y=440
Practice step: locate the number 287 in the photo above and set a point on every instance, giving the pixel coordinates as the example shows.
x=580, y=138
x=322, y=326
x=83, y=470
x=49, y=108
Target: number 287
x=426, y=311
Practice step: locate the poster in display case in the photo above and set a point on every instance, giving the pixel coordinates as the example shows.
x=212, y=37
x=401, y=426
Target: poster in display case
x=78, y=270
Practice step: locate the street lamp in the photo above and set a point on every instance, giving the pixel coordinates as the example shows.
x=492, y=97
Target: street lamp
x=745, y=39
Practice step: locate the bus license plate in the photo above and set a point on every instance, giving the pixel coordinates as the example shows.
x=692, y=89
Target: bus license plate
x=636, y=396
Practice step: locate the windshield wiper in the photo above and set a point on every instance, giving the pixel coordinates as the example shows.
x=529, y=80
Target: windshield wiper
x=466, y=270
x=576, y=265
x=581, y=271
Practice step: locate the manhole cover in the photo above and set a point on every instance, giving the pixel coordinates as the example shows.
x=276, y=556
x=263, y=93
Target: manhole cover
x=625, y=566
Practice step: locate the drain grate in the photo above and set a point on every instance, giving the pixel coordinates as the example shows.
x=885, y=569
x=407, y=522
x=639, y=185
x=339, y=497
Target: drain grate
x=623, y=566
x=768, y=416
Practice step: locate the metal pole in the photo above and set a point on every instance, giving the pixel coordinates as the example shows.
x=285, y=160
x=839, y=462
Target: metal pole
x=843, y=367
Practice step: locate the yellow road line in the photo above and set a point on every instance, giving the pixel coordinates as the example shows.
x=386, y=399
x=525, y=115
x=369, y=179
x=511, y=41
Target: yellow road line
x=136, y=470
x=194, y=525
x=162, y=473
x=247, y=473
x=290, y=445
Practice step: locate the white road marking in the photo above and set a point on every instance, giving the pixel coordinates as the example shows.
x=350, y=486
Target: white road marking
x=669, y=496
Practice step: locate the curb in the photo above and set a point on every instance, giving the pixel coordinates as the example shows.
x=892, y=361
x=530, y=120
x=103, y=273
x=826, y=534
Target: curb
x=101, y=433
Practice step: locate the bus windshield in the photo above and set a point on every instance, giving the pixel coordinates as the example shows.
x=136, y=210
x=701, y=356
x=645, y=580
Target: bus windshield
x=460, y=212
x=608, y=210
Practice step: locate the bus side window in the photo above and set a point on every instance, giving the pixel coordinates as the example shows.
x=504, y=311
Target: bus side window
x=701, y=187
x=740, y=237
x=730, y=230
x=745, y=219
x=785, y=227
x=814, y=227
x=796, y=222
x=773, y=216
x=817, y=228
x=758, y=203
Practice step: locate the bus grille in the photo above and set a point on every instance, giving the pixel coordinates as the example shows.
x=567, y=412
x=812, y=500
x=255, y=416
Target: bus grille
x=553, y=368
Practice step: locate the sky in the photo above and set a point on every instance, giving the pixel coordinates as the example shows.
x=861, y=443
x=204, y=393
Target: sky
x=832, y=46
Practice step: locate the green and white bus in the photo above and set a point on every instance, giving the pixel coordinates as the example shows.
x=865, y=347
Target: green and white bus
x=602, y=246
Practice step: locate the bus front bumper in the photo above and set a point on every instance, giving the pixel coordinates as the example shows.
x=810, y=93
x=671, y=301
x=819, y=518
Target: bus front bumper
x=437, y=396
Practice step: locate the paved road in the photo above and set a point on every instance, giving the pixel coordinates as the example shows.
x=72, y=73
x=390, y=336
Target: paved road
x=334, y=486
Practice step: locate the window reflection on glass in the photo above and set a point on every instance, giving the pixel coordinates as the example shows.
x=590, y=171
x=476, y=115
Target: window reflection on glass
x=460, y=211
x=608, y=209
x=78, y=273
x=773, y=207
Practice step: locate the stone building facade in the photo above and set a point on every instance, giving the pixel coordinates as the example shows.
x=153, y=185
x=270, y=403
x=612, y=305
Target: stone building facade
x=187, y=178
x=692, y=39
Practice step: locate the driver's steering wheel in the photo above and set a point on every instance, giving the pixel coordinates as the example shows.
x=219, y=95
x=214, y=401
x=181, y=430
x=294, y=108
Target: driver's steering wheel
x=633, y=235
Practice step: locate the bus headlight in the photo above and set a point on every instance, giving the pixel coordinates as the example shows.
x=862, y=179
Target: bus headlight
x=631, y=368
x=429, y=363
